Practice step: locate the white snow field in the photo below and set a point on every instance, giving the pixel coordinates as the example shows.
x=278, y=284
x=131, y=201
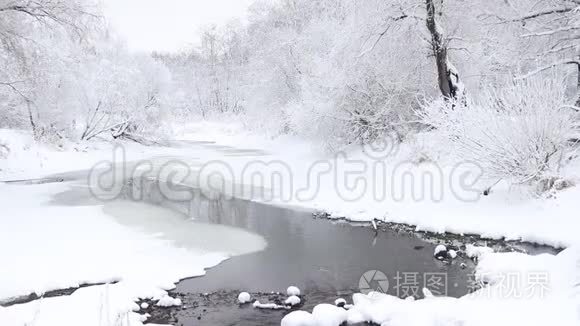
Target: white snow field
x=47, y=247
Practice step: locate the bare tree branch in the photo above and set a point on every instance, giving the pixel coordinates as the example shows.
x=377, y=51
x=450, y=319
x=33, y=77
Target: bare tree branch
x=550, y=66
x=542, y=13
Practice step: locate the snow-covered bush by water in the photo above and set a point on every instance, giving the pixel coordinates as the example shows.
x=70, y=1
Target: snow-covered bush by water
x=520, y=132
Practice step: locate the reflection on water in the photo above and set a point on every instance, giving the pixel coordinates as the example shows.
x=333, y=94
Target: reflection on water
x=301, y=250
x=183, y=232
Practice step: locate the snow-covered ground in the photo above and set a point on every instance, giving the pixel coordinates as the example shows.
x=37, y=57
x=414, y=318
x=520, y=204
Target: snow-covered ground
x=48, y=246
x=53, y=236
x=522, y=290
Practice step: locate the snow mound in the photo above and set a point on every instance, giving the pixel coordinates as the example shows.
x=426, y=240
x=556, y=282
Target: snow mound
x=168, y=301
x=440, y=251
x=298, y=318
x=273, y=306
x=244, y=297
x=329, y=315
x=292, y=301
x=293, y=290
x=452, y=254
x=477, y=252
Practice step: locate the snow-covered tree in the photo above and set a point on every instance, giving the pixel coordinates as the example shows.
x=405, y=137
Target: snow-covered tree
x=34, y=37
x=552, y=28
x=519, y=131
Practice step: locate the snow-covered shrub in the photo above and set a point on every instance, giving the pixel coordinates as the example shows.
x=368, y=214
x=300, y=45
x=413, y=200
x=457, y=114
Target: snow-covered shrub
x=373, y=108
x=356, y=106
x=519, y=131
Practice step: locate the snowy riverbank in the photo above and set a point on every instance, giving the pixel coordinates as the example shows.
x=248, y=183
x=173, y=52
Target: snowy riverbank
x=66, y=246
x=346, y=185
x=521, y=290
x=434, y=199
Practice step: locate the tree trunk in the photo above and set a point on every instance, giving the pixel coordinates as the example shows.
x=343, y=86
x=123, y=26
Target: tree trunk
x=578, y=85
x=448, y=77
x=35, y=132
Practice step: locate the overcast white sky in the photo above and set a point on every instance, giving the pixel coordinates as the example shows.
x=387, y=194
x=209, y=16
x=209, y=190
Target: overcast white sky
x=168, y=25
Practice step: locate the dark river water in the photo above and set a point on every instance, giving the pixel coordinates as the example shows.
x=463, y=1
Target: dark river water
x=325, y=259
